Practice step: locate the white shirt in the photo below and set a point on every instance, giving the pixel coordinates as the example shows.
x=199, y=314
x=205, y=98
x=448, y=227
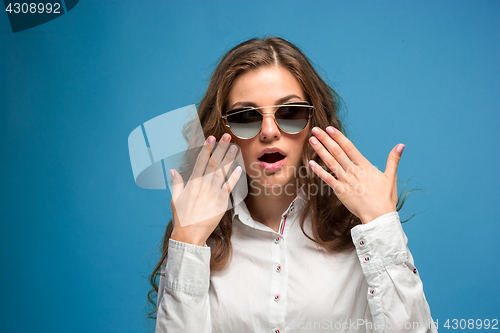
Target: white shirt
x=283, y=282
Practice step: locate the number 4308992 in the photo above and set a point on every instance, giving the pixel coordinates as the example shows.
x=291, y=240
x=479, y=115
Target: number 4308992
x=471, y=324
x=33, y=8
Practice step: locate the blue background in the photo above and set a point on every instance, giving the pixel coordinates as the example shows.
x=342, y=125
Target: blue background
x=78, y=238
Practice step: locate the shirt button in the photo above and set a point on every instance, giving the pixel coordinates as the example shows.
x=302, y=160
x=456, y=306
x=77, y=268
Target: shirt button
x=415, y=271
x=371, y=291
x=276, y=298
x=277, y=240
x=276, y=330
x=367, y=258
x=361, y=242
x=278, y=268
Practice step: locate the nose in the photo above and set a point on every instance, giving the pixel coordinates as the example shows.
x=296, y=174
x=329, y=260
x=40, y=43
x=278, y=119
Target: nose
x=269, y=129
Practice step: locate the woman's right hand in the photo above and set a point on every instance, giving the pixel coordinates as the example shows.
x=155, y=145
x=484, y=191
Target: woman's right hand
x=198, y=207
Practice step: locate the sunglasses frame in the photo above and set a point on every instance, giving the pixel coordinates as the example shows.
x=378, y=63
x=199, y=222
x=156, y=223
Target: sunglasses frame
x=251, y=108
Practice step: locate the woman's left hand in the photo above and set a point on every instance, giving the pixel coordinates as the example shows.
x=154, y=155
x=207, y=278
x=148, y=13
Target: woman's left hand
x=363, y=189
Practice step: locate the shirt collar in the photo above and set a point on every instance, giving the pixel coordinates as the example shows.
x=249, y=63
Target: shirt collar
x=241, y=209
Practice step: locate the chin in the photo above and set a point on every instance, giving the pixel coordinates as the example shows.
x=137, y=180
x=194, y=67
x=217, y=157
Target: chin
x=277, y=183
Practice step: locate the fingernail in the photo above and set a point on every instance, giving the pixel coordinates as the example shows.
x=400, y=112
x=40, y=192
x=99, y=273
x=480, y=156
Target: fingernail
x=315, y=131
x=238, y=169
x=400, y=148
x=314, y=141
x=232, y=150
x=172, y=173
x=211, y=139
x=226, y=137
x=312, y=164
x=330, y=130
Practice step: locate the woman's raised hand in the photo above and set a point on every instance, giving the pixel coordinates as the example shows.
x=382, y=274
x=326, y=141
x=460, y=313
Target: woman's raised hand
x=363, y=189
x=198, y=207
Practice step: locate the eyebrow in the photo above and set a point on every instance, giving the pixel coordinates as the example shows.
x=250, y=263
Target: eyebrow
x=278, y=102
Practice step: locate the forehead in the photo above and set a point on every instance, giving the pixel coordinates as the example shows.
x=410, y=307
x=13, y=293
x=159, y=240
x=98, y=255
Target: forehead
x=265, y=86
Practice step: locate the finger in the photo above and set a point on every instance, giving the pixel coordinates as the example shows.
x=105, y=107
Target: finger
x=333, y=147
x=347, y=146
x=203, y=158
x=218, y=154
x=177, y=184
x=325, y=176
x=233, y=179
x=225, y=166
x=393, y=161
x=327, y=158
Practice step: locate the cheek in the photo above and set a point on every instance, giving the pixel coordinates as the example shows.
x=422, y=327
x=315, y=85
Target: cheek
x=300, y=146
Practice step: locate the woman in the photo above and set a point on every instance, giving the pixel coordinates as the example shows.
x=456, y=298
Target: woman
x=304, y=251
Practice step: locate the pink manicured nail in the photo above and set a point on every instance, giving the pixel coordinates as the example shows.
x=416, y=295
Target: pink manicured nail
x=172, y=173
x=312, y=164
x=238, y=169
x=330, y=130
x=315, y=131
x=211, y=139
x=400, y=148
x=314, y=141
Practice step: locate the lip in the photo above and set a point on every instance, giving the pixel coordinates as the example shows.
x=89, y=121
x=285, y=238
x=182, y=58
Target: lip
x=272, y=166
x=271, y=150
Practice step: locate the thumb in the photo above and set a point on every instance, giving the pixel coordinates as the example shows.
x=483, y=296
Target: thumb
x=393, y=161
x=177, y=184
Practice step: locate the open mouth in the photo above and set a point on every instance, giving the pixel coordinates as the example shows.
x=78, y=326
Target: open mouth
x=271, y=157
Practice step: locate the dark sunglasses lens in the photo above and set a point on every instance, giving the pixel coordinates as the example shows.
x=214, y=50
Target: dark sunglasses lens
x=292, y=118
x=245, y=124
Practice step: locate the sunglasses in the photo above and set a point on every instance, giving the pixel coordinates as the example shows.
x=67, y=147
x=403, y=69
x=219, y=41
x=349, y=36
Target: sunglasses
x=291, y=118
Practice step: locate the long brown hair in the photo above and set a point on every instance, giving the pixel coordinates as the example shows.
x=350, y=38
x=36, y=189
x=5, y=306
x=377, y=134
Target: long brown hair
x=331, y=221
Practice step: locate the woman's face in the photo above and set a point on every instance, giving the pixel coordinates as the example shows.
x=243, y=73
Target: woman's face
x=273, y=157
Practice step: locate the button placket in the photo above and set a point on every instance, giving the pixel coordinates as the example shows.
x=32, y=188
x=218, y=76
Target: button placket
x=278, y=281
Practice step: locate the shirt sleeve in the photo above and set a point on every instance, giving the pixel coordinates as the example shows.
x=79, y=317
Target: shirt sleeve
x=395, y=292
x=183, y=303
